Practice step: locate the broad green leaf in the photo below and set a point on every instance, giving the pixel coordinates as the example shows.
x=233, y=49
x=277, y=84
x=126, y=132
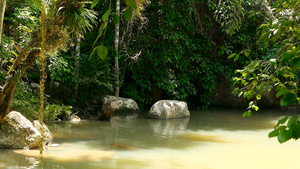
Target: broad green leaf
x=295, y=127
x=286, y=55
x=282, y=121
x=258, y=96
x=231, y=56
x=288, y=99
x=284, y=135
x=94, y=3
x=282, y=91
x=102, y=52
x=106, y=15
x=116, y=19
x=273, y=133
x=292, y=120
x=131, y=4
x=236, y=57
x=296, y=63
x=128, y=14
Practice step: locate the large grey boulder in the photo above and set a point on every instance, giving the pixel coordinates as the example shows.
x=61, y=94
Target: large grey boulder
x=48, y=138
x=18, y=132
x=165, y=109
x=119, y=108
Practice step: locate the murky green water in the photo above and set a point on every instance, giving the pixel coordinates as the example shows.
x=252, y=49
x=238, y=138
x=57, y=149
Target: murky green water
x=215, y=139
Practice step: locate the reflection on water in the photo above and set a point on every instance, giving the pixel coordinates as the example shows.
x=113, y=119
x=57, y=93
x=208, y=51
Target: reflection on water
x=208, y=139
x=169, y=127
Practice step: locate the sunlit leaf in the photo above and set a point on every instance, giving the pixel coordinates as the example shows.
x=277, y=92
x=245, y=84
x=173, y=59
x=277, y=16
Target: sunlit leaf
x=236, y=57
x=255, y=108
x=247, y=52
x=282, y=91
x=231, y=56
x=106, y=15
x=94, y=3
x=131, y=4
x=116, y=19
x=128, y=14
x=247, y=113
x=102, y=52
x=258, y=96
x=288, y=99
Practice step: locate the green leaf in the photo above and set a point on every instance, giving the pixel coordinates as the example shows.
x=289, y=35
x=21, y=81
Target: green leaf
x=282, y=121
x=282, y=91
x=284, y=135
x=288, y=99
x=94, y=3
x=106, y=15
x=292, y=120
x=131, y=4
x=102, y=27
x=102, y=52
x=236, y=57
x=258, y=96
x=274, y=133
x=38, y=3
x=295, y=127
x=247, y=113
x=286, y=56
x=128, y=14
x=231, y=56
x=295, y=63
x=116, y=19
x=255, y=108
x=247, y=52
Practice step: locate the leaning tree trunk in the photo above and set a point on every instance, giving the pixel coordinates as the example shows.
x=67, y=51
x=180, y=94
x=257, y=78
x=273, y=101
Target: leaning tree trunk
x=2, y=11
x=21, y=64
x=117, y=32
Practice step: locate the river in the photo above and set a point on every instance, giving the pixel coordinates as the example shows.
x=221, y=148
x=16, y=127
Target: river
x=214, y=139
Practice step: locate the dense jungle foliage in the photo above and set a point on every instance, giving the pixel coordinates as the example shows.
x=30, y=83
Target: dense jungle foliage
x=168, y=49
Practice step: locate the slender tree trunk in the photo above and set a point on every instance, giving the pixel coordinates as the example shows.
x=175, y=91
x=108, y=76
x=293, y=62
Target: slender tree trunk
x=77, y=63
x=117, y=32
x=2, y=11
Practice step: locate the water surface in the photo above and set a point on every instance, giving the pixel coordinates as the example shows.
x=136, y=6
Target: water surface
x=219, y=138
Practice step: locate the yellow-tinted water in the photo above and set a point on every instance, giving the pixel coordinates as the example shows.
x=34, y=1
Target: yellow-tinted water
x=218, y=139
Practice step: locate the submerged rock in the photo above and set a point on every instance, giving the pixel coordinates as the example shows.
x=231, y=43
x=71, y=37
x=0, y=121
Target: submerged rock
x=18, y=132
x=119, y=107
x=74, y=118
x=165, y=109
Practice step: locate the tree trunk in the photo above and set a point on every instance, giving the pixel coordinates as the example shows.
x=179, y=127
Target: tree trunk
x=2, y=11
x=77, y=57
x=7, y=91
x=117, y=32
